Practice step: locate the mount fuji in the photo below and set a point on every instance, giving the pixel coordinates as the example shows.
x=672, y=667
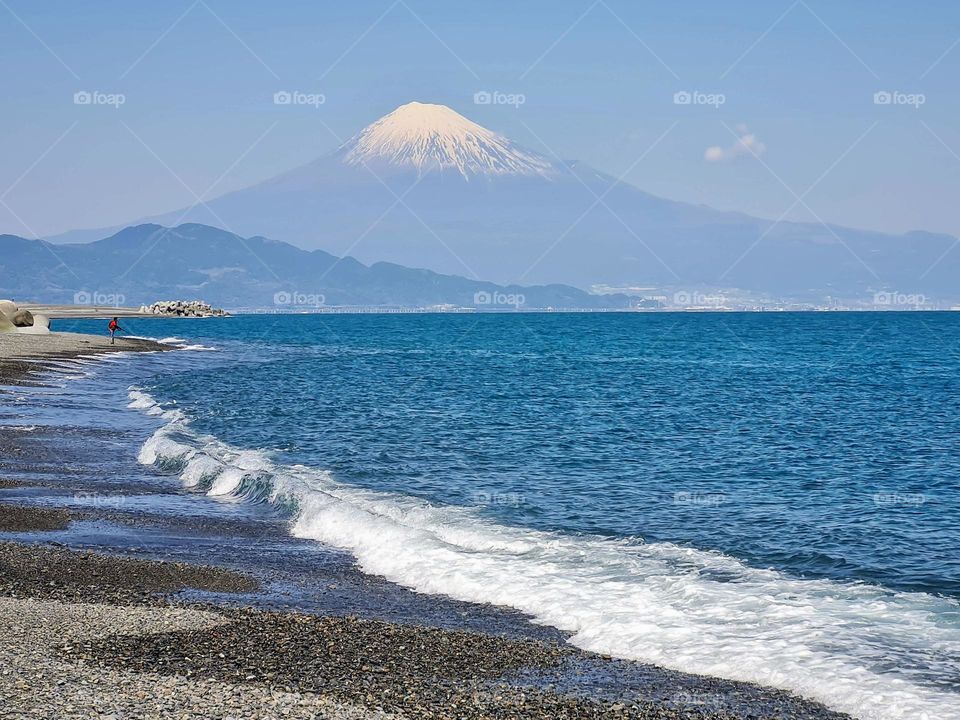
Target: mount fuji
x=425, y=187
x=435, y=138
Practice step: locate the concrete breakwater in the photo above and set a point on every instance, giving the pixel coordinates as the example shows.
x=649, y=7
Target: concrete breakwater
x=182, y=308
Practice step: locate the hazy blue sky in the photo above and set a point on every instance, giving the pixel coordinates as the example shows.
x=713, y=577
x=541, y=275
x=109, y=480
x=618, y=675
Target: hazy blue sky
x=599, y=80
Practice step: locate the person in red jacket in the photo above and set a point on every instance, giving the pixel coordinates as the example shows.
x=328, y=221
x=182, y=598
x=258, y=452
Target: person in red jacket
x=114, y=327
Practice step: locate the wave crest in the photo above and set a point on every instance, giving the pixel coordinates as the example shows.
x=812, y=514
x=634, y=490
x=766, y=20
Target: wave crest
x=690, y=610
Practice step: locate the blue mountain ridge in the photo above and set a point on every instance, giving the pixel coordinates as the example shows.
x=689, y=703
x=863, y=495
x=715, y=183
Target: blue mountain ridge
x=144, y=263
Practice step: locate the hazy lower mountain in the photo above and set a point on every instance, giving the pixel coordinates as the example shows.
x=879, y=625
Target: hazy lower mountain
x=425, y=187
x=145, y=263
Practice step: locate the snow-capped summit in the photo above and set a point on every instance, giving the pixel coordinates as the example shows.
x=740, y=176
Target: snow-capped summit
x=434, y=137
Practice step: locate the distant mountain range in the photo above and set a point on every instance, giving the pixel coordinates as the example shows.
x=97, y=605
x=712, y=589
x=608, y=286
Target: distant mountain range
x=145, y=263
x=426, y=187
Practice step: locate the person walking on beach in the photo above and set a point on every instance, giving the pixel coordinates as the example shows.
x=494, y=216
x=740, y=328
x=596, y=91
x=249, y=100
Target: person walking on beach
x=114, y=328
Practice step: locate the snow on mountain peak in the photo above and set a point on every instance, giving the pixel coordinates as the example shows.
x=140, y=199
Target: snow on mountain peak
x=434, y=137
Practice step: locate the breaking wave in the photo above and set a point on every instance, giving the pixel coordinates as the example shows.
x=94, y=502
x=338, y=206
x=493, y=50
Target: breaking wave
x=866, y=650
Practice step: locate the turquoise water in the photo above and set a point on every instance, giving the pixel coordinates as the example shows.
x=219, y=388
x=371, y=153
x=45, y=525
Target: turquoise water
x=772, y=497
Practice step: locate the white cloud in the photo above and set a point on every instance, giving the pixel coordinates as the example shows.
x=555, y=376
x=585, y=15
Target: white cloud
x=746, y=144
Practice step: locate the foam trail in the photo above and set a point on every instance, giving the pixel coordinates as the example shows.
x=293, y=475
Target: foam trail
x=140, y=401
x=184, y=345
x=178, y=342
x=690, y=610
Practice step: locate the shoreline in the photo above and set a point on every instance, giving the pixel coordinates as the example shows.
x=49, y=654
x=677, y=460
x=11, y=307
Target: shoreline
x=210, y=648
x=23, y=354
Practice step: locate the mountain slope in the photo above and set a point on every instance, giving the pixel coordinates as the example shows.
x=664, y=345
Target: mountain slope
x=145, y=263
x=425, y=187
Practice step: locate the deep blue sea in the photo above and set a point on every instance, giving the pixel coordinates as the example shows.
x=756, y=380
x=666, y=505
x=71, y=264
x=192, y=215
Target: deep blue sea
x=767, y=497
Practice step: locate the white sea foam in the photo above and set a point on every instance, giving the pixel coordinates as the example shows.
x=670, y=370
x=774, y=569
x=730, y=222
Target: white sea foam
x=184, y=345
x=239, y=466
x=160, y=447
x=227, y=481
x=140, y=400
x=200, y=468
x=178, y=342
x=695, y=611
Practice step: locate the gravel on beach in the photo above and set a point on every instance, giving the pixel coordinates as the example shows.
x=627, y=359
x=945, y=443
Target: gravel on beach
x=93, y=660
x=412, y=671
x=17, y=518
x=105, y=657
x=59, y=573
x=22, y=355
x=40, y=677
x=85, y=635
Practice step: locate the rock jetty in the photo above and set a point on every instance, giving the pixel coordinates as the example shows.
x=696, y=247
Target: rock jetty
x=183, y=308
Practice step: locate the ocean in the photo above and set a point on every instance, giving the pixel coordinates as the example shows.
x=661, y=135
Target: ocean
x=763, y=497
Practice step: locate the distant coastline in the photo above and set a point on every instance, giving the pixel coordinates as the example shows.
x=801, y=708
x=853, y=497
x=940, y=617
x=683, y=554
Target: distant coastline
x=260, y=274
x=379, y=310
